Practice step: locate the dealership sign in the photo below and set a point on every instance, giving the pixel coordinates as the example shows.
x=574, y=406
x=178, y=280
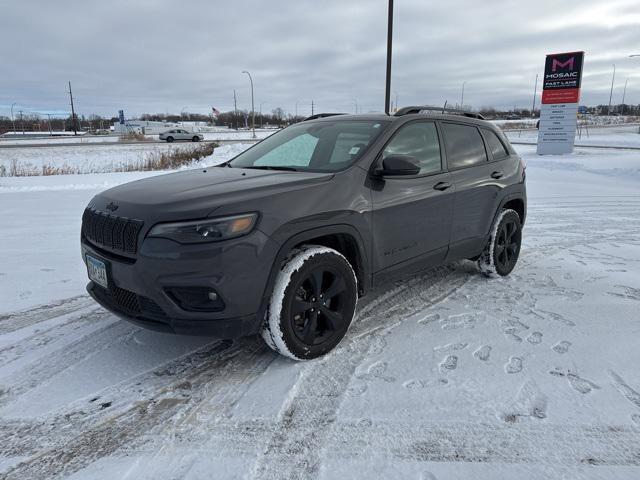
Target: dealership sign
x=560, y=97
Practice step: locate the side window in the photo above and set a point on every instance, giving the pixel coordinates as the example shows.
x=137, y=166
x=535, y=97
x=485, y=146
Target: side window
x=296, y=152
x=494, y=145
x=464, y=145
x=420, y=141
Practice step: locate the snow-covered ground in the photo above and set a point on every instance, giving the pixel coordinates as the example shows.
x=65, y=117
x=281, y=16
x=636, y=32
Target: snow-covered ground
x=446, y=375
x=616, y=136
x=90, y=158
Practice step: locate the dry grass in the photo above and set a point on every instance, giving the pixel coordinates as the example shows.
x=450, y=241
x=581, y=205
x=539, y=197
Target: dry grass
x=133, y=137
x=170, y=159
x=155, y=160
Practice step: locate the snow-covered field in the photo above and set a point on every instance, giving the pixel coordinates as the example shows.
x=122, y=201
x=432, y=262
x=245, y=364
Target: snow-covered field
x=616, y=136
x=91, y=158
x=446, y=375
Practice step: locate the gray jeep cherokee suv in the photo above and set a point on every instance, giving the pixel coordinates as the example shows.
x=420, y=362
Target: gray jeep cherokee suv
x=284, y=238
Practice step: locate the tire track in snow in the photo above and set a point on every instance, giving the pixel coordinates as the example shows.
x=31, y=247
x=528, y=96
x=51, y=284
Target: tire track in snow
x=11, y=322
x=85, y=444
x=294, y=449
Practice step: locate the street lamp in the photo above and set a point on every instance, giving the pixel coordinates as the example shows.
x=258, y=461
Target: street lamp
x=611, y=92
x=462, y=96
x=387, y=93
x=356, y=104
x=13, y=123
x=253, y=112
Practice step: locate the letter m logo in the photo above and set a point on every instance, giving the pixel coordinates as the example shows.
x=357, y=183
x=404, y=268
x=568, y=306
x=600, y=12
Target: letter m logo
x=558, y=64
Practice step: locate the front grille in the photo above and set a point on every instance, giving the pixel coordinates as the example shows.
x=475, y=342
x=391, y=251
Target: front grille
x=110, y=231
x=128, y=302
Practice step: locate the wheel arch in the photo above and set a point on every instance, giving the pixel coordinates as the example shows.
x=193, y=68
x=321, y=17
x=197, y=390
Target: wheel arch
x=343, y=238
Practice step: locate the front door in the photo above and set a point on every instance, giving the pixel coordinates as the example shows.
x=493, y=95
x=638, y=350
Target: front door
x=412, y=214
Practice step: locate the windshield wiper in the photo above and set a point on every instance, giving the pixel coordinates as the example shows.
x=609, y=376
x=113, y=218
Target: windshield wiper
x=272, y=167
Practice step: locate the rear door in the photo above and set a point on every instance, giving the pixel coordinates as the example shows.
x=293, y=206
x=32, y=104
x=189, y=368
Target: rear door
x=476, y=188
x=412, y=214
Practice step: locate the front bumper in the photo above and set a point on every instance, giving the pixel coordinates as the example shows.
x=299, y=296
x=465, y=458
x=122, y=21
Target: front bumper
x=236, y=269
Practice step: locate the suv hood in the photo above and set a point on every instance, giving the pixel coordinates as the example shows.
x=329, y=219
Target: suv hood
x=196, y=193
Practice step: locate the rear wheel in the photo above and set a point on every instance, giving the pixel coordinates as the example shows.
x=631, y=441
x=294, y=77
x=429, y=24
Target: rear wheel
x=169, y=139
x=312, y=304
x=503, y=249
x=196, y=139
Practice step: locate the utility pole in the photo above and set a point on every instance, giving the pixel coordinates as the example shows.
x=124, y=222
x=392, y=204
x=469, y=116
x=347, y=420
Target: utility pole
x=611, y=92
x=311, y=107
x=235, y=110
x=535, y=91
x=462, y=97
x=73, y=113
x=624, y=93
x=253, y=110
x=49, y=121
x=387, y=93
x=21, y=121
x=13, y=123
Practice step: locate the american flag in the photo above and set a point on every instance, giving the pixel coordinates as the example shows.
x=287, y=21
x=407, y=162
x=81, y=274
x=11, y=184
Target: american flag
x=215, y=111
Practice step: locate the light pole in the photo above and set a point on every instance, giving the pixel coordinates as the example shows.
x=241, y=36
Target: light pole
x=253, y=112
x=13, y=123
x=535, y=91
x=387, y=93
x=613, y=78
x=356, y=104
x=462, y=96
x=396, y=94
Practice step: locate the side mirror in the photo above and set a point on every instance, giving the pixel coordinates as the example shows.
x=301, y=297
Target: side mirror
x=397, y=165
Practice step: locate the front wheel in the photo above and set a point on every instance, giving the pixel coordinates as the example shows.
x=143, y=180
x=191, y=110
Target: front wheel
x=169, y=139
x=312, y=304
x=503, y=249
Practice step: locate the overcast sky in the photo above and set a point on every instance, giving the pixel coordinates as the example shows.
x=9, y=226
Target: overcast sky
x=170, y=56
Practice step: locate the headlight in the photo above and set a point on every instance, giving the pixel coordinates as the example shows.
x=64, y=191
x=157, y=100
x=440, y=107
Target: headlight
x=207, y=229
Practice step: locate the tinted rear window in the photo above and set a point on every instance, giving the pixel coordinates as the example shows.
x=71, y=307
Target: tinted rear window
x=464, y=145
x=494, y=145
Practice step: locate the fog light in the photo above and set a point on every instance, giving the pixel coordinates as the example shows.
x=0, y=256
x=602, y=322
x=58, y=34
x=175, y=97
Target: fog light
x=196, y=299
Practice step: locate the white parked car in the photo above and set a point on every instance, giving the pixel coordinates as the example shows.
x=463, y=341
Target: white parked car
x=178, y=134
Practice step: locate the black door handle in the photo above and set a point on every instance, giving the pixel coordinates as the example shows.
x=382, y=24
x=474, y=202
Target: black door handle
x=497, y=175
x=441, y=186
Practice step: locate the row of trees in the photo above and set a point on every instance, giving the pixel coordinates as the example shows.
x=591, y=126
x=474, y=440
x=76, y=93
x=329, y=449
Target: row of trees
x=44, y=123
x=232, y=119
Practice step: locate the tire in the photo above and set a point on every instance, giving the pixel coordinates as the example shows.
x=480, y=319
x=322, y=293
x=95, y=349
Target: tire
x=196, y=139
x=503, y=249
x=312, y=304
x=169, y=139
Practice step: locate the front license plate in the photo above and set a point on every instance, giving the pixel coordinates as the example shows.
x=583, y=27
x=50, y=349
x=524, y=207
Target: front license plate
x=97, y=270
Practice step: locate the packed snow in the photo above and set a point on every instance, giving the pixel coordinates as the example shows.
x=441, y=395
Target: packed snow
x=445, y=375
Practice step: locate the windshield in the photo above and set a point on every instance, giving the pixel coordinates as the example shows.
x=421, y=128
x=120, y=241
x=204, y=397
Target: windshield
x=313, y=146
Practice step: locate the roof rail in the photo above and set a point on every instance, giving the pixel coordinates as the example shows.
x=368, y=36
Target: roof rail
x=322, y=115
x=421, y=108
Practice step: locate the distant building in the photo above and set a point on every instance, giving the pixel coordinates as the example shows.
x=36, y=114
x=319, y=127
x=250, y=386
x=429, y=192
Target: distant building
x=145, y=127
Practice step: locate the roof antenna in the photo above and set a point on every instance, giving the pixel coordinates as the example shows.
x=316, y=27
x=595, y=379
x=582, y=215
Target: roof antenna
x=444, y=106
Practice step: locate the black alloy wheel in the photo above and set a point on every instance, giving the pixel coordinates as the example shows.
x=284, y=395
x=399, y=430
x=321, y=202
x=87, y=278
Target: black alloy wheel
x=507, y=244
x=319, y=307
